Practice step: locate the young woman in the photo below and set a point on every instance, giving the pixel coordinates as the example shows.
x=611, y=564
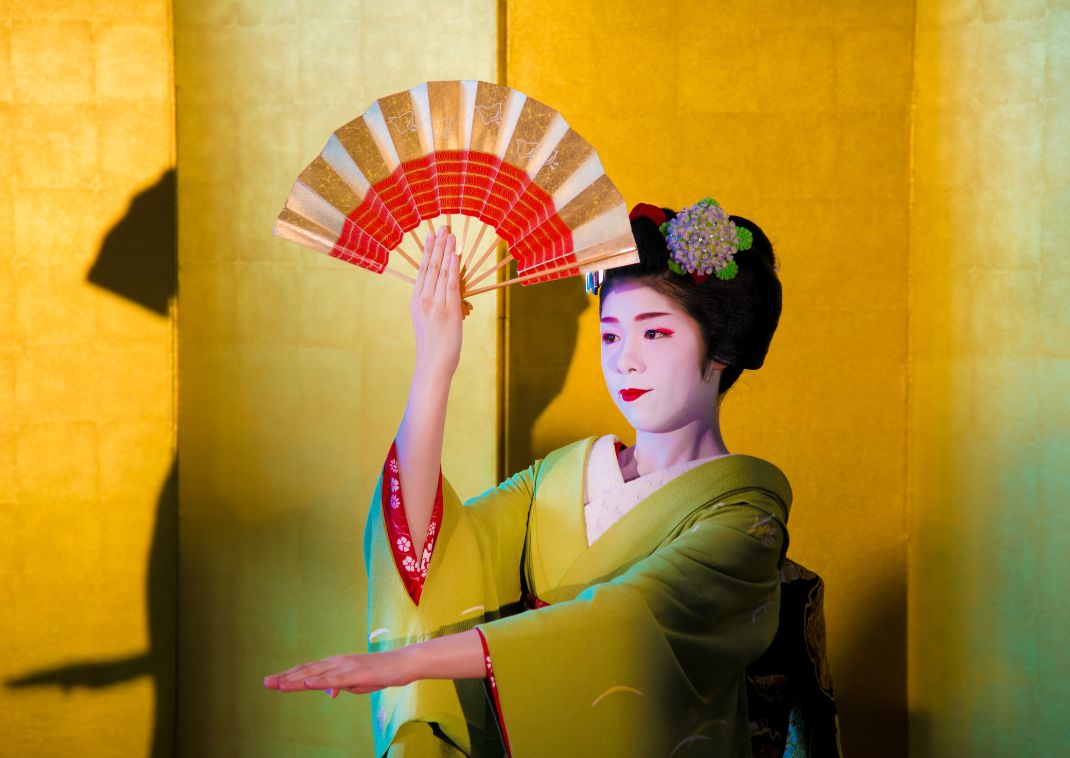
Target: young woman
x=606, y=600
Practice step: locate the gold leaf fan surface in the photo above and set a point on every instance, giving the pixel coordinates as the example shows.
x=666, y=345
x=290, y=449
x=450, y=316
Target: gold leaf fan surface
x=503, y=161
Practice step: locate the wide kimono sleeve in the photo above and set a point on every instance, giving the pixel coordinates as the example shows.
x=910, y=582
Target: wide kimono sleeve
x=650, y=662
x=469, y=572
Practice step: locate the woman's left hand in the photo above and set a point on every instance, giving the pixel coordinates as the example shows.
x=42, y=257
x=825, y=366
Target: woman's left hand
x=358, y=674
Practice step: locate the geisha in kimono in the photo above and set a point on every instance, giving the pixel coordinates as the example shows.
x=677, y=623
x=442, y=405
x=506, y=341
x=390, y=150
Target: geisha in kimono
x=606, y=600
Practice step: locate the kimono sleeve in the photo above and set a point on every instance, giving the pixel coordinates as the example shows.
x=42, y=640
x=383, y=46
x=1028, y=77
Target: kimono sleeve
x=653, y=659
x=470, y=573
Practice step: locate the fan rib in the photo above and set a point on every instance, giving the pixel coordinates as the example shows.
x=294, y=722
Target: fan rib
x=504, y=261
x=399, y=275
x=475, y=246
x=490, y=249
x=548, y=272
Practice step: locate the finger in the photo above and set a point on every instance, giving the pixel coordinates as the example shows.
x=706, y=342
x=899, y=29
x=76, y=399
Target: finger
x=453, y=284
x=272, y=680
x=434, y=264
x=421, y=272
x=449, y=259
x=301, y=673
x=332, y=679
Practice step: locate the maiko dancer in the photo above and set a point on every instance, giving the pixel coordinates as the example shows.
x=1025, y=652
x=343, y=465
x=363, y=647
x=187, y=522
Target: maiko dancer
x=607, y=599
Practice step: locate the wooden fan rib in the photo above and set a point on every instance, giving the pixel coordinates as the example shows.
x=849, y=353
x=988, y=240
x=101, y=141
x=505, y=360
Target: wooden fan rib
x=564, y=267
x=496, y=267
x=475, y=246
x=490, y=249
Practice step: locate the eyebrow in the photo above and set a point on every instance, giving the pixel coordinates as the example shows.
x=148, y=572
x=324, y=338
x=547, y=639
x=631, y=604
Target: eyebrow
x=640, y=317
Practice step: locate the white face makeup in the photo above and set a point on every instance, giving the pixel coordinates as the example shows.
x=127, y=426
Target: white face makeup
x=649, y=343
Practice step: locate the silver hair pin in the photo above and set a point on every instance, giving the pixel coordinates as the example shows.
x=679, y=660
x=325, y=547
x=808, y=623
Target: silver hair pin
x=592, y=280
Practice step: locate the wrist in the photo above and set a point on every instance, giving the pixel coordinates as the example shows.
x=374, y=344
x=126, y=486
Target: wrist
x=431, y=373
x=409, y=664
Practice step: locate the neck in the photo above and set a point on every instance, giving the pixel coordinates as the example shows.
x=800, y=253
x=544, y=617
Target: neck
x=654, y=451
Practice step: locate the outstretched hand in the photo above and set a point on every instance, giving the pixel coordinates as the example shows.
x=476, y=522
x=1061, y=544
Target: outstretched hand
x=356, y=674
x=436, y=307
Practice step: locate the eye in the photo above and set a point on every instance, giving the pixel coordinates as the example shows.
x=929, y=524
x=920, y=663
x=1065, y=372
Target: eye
x=657, y=333
x=608, y=338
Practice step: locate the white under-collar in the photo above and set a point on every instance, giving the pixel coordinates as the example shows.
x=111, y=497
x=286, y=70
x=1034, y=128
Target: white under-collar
x=607, y=496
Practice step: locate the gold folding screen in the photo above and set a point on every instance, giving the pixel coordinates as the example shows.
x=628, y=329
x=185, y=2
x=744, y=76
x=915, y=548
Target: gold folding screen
x=906, y=160
x=88, y=502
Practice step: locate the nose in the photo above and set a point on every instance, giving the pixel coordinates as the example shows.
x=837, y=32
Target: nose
x=628, y=359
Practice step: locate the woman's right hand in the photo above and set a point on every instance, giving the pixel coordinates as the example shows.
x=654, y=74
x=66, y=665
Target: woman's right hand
x=436, y=307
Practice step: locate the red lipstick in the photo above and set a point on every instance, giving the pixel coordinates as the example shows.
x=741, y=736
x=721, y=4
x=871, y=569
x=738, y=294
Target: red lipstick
x=630, y=394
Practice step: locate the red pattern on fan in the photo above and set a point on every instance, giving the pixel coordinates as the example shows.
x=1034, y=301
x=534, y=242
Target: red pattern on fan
x=534, y=207
x=508, y=185
x=450, y=165
x=479, y=173
x=368, y=235
x=397, y=196
x=547, y=246
x=422, y=179
x=515, y=181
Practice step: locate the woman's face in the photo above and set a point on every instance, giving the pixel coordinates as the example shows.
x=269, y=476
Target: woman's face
x=649, y=343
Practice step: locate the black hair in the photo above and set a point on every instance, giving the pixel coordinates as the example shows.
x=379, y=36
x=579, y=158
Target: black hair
x=737, y=317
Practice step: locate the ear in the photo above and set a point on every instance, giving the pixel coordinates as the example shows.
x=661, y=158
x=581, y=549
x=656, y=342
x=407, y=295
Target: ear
x=711, y=367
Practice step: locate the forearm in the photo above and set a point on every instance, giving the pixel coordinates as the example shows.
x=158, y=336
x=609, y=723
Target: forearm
x=455, y=656
x=419, y=448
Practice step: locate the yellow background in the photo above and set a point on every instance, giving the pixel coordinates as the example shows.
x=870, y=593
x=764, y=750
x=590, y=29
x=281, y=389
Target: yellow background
x=908, y=161
x=989, y=433
x=87, y=404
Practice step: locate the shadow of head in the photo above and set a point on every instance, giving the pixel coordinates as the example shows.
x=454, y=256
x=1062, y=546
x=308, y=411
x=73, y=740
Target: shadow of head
x=543, y=331
x=138, y=259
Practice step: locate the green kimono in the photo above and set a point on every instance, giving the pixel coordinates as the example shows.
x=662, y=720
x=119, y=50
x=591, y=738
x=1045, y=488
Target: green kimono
x=642, y=648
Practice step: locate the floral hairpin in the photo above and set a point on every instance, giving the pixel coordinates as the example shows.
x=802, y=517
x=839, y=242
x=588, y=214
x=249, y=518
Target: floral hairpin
x=702, y=240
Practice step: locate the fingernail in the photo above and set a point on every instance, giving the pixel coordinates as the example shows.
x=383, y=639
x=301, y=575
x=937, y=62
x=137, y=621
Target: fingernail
x=329, y=691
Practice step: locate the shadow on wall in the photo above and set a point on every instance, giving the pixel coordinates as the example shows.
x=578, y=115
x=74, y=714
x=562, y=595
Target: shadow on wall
x=543, y=331
x=873, y=720
x=138, y=261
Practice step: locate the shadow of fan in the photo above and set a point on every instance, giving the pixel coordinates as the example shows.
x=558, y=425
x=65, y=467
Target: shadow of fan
x=138, y=261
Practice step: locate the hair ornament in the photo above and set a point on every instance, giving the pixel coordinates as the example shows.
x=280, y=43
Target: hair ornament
x=702, y=240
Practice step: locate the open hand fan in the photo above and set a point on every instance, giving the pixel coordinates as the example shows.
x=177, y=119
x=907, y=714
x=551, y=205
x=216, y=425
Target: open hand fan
x=484, y=151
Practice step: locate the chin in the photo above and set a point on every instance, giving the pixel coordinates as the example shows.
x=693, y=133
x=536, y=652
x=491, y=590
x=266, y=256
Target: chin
x=648, y=422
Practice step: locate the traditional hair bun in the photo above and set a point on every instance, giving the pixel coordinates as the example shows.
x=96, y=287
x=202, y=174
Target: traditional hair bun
x=737, y=316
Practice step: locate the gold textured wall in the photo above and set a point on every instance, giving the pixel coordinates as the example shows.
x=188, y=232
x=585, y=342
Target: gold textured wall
x=294, y=366
x=87, y=413
x=990, y=381
x=799, y=120
x=952, y=275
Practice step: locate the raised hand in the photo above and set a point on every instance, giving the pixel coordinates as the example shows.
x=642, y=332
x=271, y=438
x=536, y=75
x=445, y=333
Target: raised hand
x=436, y=308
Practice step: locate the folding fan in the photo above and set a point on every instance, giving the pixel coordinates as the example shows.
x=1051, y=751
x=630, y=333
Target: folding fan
x=484, y=151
